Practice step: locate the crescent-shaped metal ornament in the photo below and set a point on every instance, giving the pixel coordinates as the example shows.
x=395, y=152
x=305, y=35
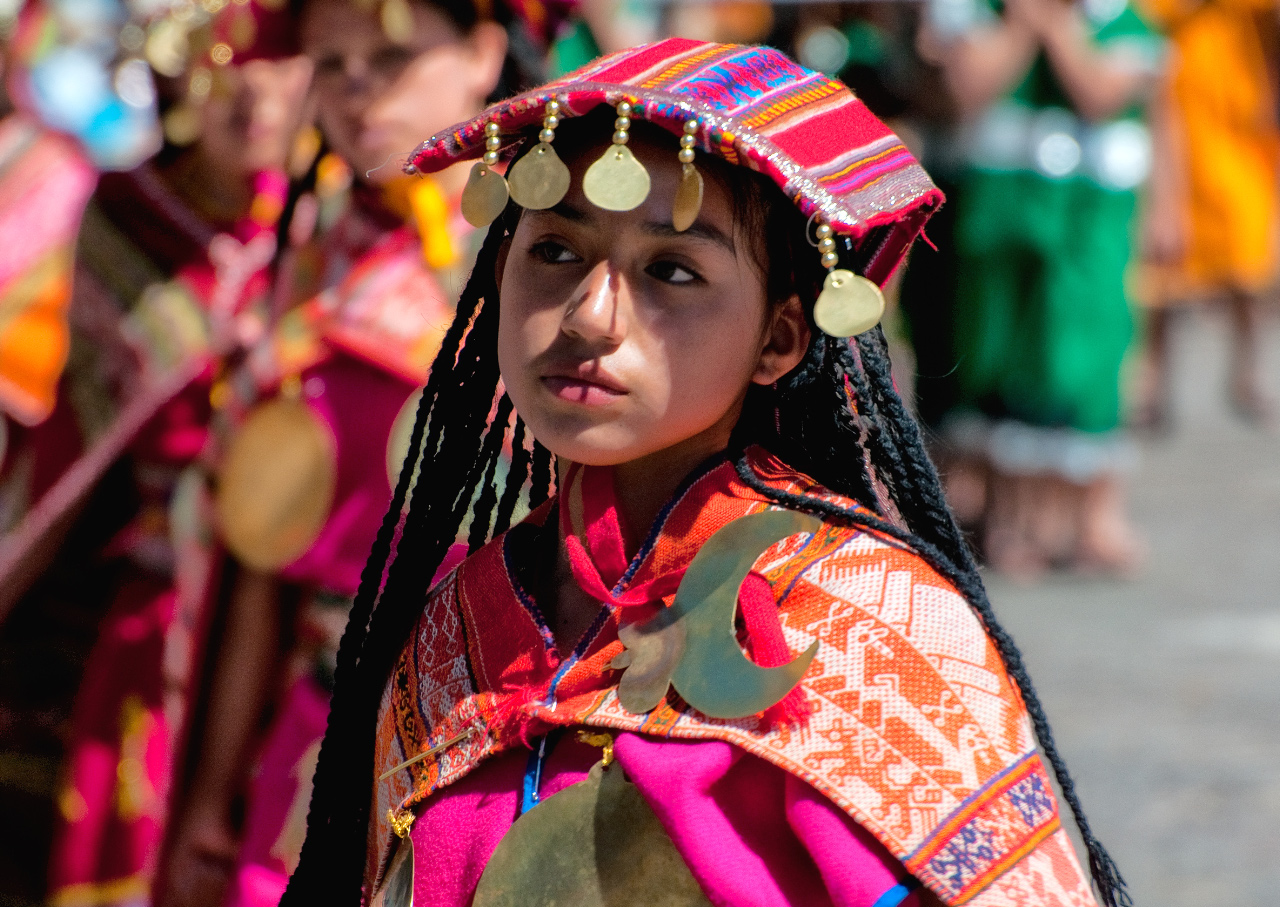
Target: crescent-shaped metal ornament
x=714, y=676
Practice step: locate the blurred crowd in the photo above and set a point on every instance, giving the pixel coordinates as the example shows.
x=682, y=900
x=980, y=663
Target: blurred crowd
x=219, y=293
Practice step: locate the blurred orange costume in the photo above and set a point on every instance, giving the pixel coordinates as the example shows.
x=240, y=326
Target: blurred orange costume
x=1223, y=91
x=44, y=184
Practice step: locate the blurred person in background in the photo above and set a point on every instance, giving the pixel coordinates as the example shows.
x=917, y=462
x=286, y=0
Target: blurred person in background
x=1211, y=229
x=1051, y=99
x=168, y=253
x=159, y=256
x=307, y=421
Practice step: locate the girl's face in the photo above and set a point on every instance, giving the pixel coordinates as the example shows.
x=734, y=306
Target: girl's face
x=620, y=338
x=378, y=99
x=254, y=112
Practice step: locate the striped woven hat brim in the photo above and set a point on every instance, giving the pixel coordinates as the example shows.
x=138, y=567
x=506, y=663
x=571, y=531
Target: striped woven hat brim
x=758, y=109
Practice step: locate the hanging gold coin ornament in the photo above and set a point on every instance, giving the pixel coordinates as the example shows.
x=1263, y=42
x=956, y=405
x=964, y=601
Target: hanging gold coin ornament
x=397, y=21
x=540, y=180
x=167, y=48
x=276, y=484
x=397, y=884
x=400, y=436
x=688, y=201
x=617, y=181
x=486, y=192
x=849, y=304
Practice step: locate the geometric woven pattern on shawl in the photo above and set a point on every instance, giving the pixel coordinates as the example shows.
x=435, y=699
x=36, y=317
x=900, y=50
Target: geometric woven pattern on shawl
x=913, y=727
x=757, y=108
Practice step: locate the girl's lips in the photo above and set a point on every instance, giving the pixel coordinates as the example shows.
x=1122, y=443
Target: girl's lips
x=578, y=390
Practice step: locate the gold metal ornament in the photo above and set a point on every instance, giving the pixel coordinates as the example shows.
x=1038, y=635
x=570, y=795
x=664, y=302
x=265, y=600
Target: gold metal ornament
x=486, y=193
x=540, y=180
x=397, y=884
x=713, y=675
x=181, y=124
x=397, y=20
x=276, y=484
x=167, y=47
x=399, y=437
x=485, y=196
x=617, y=181
x=688, y=202
x=594, y=844
x=653, y=649
x=848, y=305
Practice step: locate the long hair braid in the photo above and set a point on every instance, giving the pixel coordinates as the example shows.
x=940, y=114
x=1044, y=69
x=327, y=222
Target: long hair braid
x=446, y=432
x=517, y=476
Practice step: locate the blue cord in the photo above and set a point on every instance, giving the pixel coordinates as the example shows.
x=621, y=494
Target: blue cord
x=897, y=894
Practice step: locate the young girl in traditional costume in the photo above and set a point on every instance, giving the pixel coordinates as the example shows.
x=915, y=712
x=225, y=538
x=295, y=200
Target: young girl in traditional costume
x=675, y=324
x=306, y=423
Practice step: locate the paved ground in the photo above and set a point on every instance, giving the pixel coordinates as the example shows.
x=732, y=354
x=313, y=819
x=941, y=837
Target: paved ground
x=1164, y=692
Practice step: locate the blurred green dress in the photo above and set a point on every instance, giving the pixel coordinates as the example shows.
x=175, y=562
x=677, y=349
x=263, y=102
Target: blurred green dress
x=1043, y=237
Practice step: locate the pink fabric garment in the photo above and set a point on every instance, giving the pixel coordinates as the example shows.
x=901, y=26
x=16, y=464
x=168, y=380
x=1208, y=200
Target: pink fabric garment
x=753, y=835
x=359, y=403
x=118, y=769
x=278, y=798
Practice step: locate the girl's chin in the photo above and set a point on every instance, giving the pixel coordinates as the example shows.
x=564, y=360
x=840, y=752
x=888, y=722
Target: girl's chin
x=592, y=447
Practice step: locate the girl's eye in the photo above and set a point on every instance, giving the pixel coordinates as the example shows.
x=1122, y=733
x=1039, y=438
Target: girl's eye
x=390, y=60
x=329, y=65
x=553, y=253
x=670, y=272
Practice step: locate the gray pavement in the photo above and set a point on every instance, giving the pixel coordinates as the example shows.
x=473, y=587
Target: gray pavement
x=1164, y=692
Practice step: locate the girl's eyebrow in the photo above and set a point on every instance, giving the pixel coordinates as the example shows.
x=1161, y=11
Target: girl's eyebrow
x=700, y=230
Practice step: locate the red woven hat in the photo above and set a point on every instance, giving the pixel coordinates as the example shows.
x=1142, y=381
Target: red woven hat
x=754, y=107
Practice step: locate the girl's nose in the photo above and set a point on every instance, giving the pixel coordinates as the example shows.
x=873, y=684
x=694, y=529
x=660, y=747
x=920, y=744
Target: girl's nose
x=598, y=310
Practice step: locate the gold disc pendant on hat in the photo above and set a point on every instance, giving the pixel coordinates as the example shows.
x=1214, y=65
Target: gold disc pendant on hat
x=539, y=180
x=276, y=484
x=688, y=203
x=617, y=181
x=848, y=305
x=485, y=196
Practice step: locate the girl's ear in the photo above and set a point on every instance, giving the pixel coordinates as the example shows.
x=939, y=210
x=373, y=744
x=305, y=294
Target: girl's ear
x=487, y=43
x=785, y=342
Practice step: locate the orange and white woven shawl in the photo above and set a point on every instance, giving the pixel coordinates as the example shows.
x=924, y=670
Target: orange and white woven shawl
x=914, y=728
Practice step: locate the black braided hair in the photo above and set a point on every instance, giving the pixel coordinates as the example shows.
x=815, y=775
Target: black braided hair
x=836, y=417
x=926, y=527
x=449, y=431
x=818, y=427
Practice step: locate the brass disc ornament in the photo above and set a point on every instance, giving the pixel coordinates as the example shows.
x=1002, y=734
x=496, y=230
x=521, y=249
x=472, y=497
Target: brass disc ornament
x=848, y=305
x=400, y=436
x=485, y=196
x=276, y=484
x=616, y=181
x=539, y=180
x=595, y=844
x=688, y=202
x=397, y=886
